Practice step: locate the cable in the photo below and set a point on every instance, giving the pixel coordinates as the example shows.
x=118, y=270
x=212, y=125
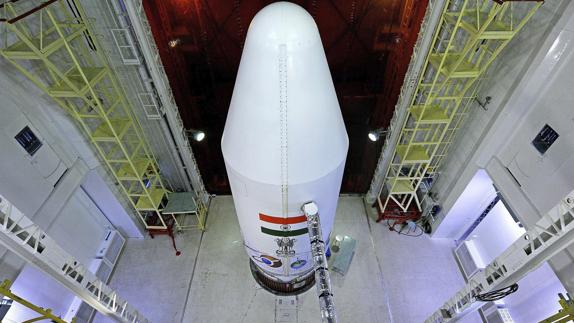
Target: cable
x=416, y=232
x=497, y=294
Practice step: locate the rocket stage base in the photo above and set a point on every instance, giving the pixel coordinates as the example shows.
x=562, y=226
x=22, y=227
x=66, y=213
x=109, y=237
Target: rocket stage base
x=294, y=287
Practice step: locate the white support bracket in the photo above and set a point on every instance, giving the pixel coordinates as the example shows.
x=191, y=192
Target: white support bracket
x=26, y=239
x=552, y=233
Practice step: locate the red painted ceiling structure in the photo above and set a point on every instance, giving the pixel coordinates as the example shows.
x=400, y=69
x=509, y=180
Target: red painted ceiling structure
x=368, y=44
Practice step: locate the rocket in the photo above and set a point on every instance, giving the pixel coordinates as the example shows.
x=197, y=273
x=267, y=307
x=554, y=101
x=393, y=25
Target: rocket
x=284, y=144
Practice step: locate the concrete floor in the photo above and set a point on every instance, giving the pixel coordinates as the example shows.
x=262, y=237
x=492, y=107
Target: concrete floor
x=392, y=278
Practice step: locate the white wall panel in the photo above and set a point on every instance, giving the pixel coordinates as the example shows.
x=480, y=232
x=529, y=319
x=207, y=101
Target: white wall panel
x=46, y=185
x=537, y=172
x=495, y=233
x=531, y=85
x=97, y=189
x=78, y=228
x=474, y=199
x=487, y=130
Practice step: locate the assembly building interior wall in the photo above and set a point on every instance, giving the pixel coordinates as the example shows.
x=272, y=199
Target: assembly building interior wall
x=502, y=78
x=530, y=86
x=47, y=185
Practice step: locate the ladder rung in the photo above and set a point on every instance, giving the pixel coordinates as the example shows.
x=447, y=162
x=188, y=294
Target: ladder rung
x=104, y=132
x=402, y=186
x=47, y=43
x=415, y=154
x=141, y=167
x=464, y=69
x=63, y=89
x=152, y=202
x=495, y=30
x=430, y=114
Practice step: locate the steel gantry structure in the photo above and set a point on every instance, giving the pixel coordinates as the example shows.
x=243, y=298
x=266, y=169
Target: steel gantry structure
x=469, y=36
x=53, y=45
x=551, y=234
x=21, y=235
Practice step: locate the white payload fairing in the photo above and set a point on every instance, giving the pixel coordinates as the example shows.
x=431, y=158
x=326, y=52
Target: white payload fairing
x=284, y=144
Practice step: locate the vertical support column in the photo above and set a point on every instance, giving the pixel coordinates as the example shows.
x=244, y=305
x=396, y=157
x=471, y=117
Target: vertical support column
x=322, y=279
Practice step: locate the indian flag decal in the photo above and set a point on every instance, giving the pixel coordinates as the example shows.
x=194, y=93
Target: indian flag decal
x=283, y=227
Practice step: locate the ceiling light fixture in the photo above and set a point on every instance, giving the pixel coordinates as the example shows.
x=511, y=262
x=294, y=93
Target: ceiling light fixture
x=374, y=135
x=174, y=42
x=196, y=135
x=199, y=136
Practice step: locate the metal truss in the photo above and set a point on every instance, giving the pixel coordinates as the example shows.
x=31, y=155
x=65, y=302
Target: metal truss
x=26, y=239
x=53, y=44
x=551, y=234
x=469, y=37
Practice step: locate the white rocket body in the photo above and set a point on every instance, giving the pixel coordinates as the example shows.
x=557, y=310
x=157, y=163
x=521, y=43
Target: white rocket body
x=284, y=142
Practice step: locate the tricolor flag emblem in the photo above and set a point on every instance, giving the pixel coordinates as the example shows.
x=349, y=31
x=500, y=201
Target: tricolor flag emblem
x=283, y=227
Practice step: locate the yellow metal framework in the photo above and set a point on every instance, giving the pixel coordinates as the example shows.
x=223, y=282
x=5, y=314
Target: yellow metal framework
x=566, y=313
x=471, y=34
x=53, y=45
x=45, y=314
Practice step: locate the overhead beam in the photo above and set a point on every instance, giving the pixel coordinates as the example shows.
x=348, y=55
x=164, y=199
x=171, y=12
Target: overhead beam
x=26, y=239
x=551, y=234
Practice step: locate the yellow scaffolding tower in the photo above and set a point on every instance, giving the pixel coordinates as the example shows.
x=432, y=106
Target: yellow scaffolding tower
x=45, y=314
x=53, y=44
x=471, y=34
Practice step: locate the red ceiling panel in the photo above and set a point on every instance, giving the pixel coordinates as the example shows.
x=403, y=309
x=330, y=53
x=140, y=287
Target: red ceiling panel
x=368, y=45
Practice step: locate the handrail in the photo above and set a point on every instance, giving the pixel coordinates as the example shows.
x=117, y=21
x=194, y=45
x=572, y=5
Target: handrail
x=29, y=12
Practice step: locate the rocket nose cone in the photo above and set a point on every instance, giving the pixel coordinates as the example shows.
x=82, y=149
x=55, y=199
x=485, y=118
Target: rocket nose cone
x=284, y=110
x=283, y=23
